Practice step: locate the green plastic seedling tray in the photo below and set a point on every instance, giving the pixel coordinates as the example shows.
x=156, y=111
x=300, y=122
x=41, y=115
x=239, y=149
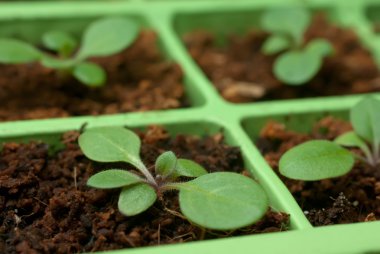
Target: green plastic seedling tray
x=209, y=113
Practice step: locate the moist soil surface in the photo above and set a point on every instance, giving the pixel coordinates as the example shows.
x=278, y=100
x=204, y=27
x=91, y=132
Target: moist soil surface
x=139, y=79
x=241, y=73
x=354, y=197
x=46, y=207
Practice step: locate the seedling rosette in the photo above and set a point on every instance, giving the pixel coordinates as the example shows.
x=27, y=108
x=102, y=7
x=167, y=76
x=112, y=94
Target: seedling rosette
x=221, y=201
x=298, y=61
x=322, y=159
x=102, y=38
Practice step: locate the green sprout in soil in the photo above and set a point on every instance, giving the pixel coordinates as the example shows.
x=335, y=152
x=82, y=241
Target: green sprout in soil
x=322, y=159
x=102, y=38
x=298, y=61
x=220, y=201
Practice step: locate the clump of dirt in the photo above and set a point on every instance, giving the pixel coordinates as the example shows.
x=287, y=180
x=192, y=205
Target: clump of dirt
x=354, y=197
x=139, y=79
x=241, y=73
x=46, y=207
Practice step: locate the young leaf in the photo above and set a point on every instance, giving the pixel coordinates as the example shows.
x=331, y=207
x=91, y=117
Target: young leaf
x=316, y=160
x=297, y=67
x=320, y=47
x=166, y=163
x=56, y=63
x=107, y=36
x=136, y=199
x=222, y=201
x=189, y=168
x=15, y=52
x=275, y=44
x=351, y=139
x=113, y=178
x=59, y=41
x=291, y=21
x=111, y=144
x=90, y=74
x=365, y=118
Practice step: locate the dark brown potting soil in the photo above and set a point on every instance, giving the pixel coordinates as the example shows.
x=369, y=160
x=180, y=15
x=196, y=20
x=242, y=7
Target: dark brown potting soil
x=354, y=197
x=46, y=207
x=241, y=73
x=139, y=79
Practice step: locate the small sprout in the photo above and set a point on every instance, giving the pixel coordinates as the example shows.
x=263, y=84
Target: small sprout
x=220, y=201
x=322, y=159
x=102, y=38
x=299, y=63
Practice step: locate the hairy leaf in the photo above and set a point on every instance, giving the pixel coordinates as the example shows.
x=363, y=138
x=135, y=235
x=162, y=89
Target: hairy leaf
x=291, y=21
x=111, y=144
x=320, y=47
x=189, y=168
x=59, y=41
x=56, y=63
x=166, y=163
x=365, y=118
x=275, y=44
x=13, y=51
x=108, y=36
x=351, y=139
x=113, y=178
x=297, y=67
x=222, y=201
x=90, y=74
x=136, y=199
x=316, y=160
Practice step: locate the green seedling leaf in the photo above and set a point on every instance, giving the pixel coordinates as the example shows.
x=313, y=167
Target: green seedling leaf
x=56, y=63
x=351, y=139
x=108, y=36
x=320, y=47
x=275, y=44
x=189, y=168
x=222, y=201
x=166, y=163
x=16, y=52
x=90, y=74
x=136, y=199
x=291, y=21
x=297, y=67
x=59, y=41
x=316, y=160
x=113, y=178
x=365, y=118
x=111, y=144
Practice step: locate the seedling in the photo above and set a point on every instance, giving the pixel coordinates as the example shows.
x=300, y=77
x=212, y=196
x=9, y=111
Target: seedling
x=103, y=37
x=220, y=201
x=299, y=62
x=322, y=159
